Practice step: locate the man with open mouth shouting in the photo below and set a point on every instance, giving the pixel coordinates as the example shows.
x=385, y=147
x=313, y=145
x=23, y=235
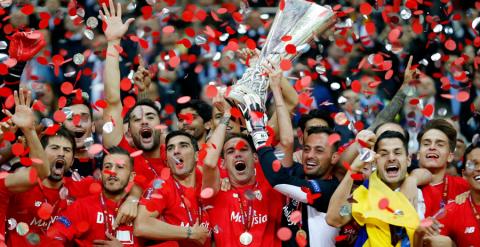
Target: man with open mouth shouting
x=38, y=207
x=143, y=117
x=171, y=212
x=249, y=213
x=80, y=124
x=97, y=213
x=386, y=216
x=437, y=143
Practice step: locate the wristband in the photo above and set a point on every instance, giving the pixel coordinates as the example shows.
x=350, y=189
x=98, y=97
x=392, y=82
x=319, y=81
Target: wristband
x=189, y=232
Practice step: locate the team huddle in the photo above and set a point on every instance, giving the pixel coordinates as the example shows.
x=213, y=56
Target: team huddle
x=230, y=175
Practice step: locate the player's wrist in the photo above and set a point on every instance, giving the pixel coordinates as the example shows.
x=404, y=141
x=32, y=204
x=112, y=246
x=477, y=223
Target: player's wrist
x=189, y=232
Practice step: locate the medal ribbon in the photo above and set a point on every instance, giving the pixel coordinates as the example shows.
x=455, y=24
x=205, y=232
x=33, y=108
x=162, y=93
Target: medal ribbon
x=247, y=216
x=189, y=213
x=445, y=192
x=474, y=209
x=151, y=168
x=108, y=226
x=54, y=205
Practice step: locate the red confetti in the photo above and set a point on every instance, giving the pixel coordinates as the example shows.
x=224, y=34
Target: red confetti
x=370, y=27
x=206, y=193
x=284, y=234
x=296, y=216
x=340, y=238
x=101, y=103
x=168, y=29
x=276, y=165
x=291, y=49
x=428, y=110
x=383, y=203
x=285, y=64
x=357, y=176
x=286, y=38
x=66, y=88
x=32, y=175
x=450, y=45
x=240, y=145
x=45, y=211
x=281, y=5
x=59, y=116
x=18, y=149
x=356, y=86
x=366, y=9
x=463, y=96
x=136, y=153
x=95, y=149
x=333, y=138
x=211, y=91
x=183, y=99
x=27, y=9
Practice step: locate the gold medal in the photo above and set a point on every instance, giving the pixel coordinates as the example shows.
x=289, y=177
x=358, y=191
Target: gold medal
x=246, y=238
x=301, y=234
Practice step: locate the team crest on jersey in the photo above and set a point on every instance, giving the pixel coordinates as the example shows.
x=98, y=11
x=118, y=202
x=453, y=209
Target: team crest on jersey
x=469, y=229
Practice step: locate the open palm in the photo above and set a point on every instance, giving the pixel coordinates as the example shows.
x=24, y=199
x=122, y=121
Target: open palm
x=23, y=117
x=115, y=28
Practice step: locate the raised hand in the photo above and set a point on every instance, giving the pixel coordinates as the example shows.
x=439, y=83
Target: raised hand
x=248, y=54
x=142, y=77
x=409, y=73
x=113, y=19
x=221, y=104
x=24, y=117
x=274, y=73
x=255, y=119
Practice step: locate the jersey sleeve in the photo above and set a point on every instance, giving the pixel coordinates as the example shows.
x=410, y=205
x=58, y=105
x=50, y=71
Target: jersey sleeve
x=156, y=199
x=319, y=190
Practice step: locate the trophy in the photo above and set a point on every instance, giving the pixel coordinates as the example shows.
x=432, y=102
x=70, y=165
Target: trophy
x=298, y=20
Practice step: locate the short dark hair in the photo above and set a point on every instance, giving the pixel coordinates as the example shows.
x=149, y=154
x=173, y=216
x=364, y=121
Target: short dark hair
x=117, y=150
x=62, y=132
x=246, y=138
x=84, y=99
x=203, y=109
x=443, y=126
x=468, y=150
x=145, y=102
x=389, y=134
x=405, y=132
x=182, y=133
x=316, y=113
x=323, y=130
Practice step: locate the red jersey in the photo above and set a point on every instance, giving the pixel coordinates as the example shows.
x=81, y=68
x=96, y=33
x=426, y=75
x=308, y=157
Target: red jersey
x=227, y=221
x=28, y=207
x=460, y=224
x=146, y=169
x=5, y=197
x=165, y=198
x=85, y=221
x=433, y=194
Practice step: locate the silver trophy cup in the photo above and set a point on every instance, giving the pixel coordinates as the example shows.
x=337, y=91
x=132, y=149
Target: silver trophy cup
x=300, y=20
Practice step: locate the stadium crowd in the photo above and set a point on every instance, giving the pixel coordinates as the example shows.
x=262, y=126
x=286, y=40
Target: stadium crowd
x=117, y=128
